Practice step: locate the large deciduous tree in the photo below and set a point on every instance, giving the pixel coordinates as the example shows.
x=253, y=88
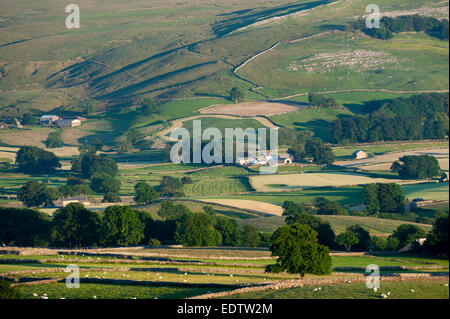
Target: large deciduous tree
x=299, y=252
x=33, y=160
x=76, y=226
x=122, y=226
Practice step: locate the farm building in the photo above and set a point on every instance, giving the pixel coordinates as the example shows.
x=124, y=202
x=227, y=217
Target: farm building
x=444, y=177
x=282, y=160
x=252, y=160
x=63, y=202
x=419, y=202
x=48, y=119
x=68, y=122
x=412, y=245
x=359, y=154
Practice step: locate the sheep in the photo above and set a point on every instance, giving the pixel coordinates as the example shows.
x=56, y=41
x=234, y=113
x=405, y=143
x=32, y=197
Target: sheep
x=375, y=289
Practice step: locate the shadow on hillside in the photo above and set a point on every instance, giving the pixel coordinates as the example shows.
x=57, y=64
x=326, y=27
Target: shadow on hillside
x=245, y=19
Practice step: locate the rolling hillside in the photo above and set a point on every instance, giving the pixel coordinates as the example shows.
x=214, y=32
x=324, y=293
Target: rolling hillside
x=167, y=49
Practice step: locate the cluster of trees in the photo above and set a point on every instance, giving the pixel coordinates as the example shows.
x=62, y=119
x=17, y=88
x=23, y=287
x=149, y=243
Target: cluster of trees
x=417, y=166
x=417, y=23
x=100, y=170
x=384, y=198
x=8, y=292
x=75, y=226
x=303, y=146
x=135, y=140
x=422, y=116
x=356, y=238
x=320, y=100
x=35, y=194
x=34, y=160
x=54, y=139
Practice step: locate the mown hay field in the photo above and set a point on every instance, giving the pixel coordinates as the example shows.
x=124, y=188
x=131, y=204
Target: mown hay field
x=258, y=206
x=309, y=180
x=251, y=109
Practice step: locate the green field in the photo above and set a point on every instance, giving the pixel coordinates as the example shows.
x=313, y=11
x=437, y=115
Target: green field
x=341, y=62
x=346, y=152
x=398, y=290
x=111, y=291
x=375, y=226
x=433, y=191
x=217, y=269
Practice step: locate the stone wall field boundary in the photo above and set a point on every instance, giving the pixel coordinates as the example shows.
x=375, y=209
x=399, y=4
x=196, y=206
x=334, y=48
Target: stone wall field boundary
x=320, y=281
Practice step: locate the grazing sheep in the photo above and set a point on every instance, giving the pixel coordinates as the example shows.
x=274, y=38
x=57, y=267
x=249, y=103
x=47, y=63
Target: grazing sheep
x=375, y=289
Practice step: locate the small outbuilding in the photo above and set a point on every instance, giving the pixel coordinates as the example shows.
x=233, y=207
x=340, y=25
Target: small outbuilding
x=63, y=202
x=359, y=154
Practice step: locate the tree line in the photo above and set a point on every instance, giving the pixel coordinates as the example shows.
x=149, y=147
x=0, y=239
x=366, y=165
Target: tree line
x=424, y=116
x=389, y=26
x=75, y=226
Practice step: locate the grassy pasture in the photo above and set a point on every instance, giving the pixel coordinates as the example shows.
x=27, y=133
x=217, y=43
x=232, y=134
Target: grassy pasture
x=398, y=290
x=200, y=265
x=309, y=180
x=433, y=191
x=375, y=226
x=344, y=195
x=313, y=119
x=111, y=291
x=347, y=151
x=341, y=61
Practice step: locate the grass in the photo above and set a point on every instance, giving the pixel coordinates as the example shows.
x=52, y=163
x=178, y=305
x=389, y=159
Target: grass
x=338, y=223
x=198, y=207
x=432, y=191
x=311, y=180
x=373, y=225
x=347, y=151
x=112, y=291
x=343, y=195
x=321, y=64
x=398, y=290
x=316, y=120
